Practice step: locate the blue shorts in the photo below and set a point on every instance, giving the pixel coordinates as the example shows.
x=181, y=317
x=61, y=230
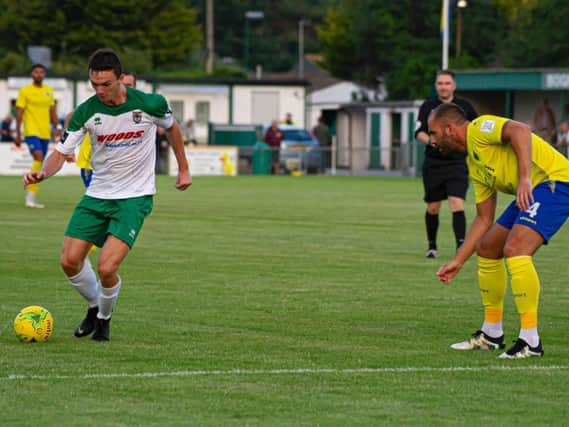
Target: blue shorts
x=546, y=215
x=37, y=144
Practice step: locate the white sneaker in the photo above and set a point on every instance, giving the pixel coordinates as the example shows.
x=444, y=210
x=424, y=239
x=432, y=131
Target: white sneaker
x=34, y=205
x=480, y=341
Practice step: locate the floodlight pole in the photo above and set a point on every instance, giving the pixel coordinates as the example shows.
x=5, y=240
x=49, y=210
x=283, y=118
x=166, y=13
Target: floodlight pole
x=250, y=15
x=460, y=5
x=301, y=25
x=444, y=24
x=210, y=38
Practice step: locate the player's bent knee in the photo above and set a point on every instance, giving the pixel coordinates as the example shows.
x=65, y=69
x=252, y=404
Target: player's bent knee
x=513, y=249
x=486, y=249
x=71, y=266
x=107, y=269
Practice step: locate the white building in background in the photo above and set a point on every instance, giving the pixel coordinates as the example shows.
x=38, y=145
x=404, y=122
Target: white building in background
x=327, y=94
x=218, y=101
x=332, y=97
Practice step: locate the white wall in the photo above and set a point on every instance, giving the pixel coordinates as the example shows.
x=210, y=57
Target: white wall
x=216, y=95
x=291, y=99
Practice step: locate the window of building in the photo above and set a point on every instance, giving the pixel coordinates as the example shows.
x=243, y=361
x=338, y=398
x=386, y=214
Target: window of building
x=202, y=112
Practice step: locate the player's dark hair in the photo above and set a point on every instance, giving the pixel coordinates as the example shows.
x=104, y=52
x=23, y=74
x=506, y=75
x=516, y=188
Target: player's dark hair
x=449, y=113
x=39, y=66
x=446, y=72
x=105, y=59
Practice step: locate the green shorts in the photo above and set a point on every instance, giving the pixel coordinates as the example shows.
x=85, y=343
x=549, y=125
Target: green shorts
x=93, y=219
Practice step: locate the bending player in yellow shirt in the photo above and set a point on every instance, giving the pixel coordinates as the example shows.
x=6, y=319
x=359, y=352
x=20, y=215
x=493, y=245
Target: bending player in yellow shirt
x=503, y=155
x=35, y=108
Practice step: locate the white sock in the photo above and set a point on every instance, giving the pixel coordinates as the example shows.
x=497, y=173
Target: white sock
x=107, y=300
x=493, y=330
x=30, y=197
x=86, y=283
x=530, y=336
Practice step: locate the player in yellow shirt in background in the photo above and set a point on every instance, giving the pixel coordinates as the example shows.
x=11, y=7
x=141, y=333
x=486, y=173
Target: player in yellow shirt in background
x=503, y=155
x=84, y=155
x=35, y=108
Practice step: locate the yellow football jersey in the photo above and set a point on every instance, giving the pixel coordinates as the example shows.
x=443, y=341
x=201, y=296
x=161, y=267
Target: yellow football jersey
x=493, y=165
x=36, y=103
x=84, y=155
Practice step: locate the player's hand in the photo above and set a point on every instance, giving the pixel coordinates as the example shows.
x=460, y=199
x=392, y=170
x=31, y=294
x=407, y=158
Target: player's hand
x=18, y=140
x=183, y=181
x=448, y=271
x=524, y=195
x=33, y=177
x=70, y=158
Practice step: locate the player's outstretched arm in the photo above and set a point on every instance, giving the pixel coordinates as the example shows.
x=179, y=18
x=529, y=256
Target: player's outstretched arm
x=184, y=179
x=51, y=166
x=480, y=225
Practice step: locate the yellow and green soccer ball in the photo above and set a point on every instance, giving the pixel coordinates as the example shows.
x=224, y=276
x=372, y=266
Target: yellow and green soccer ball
x=33, y=324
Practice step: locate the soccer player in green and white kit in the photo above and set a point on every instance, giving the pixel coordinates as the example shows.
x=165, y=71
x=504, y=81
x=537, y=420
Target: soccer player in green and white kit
x=122, y=125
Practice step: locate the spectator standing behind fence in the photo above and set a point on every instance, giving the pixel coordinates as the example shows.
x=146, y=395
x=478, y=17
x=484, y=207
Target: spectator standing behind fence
x=288, y=119
x=190, y=133
x=7, y=125
x=273, y=137
x=322, y=133
x=544, y=121
x=562, y=140
x=35, y=108
x=444, y=175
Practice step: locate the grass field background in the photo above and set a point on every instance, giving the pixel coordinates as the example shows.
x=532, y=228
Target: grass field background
x=262, y=301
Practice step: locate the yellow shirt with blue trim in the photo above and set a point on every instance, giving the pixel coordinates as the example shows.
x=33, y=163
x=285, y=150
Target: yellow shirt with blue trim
x=493, y=165
x=36, y=102
x=84, y=155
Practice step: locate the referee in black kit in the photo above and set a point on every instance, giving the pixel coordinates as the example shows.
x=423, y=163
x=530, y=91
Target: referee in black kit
x=444, y=176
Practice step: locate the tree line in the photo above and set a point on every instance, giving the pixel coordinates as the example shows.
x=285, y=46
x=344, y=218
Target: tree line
x=360, y=40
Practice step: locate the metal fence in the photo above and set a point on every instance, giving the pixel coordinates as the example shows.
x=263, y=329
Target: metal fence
x=402, y=159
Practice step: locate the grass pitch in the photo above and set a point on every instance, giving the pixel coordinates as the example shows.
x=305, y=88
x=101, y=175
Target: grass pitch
x=271, y=301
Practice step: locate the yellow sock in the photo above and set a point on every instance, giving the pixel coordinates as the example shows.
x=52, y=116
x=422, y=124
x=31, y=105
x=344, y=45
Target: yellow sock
x=492, y=280
x=36, y=166
x=525, y=287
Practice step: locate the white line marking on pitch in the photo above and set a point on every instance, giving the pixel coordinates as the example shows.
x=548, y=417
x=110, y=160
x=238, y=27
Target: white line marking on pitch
x=298, y=371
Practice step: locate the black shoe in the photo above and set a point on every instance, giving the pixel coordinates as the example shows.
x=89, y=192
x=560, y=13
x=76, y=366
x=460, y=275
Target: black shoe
x=102, y=330
x=521, y=350
x=431, y=253
x=88, y=324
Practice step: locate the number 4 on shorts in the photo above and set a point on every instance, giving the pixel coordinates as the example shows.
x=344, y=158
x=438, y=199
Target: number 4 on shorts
x=532, y=211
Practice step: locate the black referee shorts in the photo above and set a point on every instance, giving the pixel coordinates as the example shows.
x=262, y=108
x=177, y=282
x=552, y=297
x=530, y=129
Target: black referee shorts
x=442, y=181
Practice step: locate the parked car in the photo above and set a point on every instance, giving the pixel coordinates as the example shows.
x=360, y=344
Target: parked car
x=300, y=150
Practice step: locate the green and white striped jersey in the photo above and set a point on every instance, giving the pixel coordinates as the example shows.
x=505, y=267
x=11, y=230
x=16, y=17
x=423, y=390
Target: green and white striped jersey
x=123, y=142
